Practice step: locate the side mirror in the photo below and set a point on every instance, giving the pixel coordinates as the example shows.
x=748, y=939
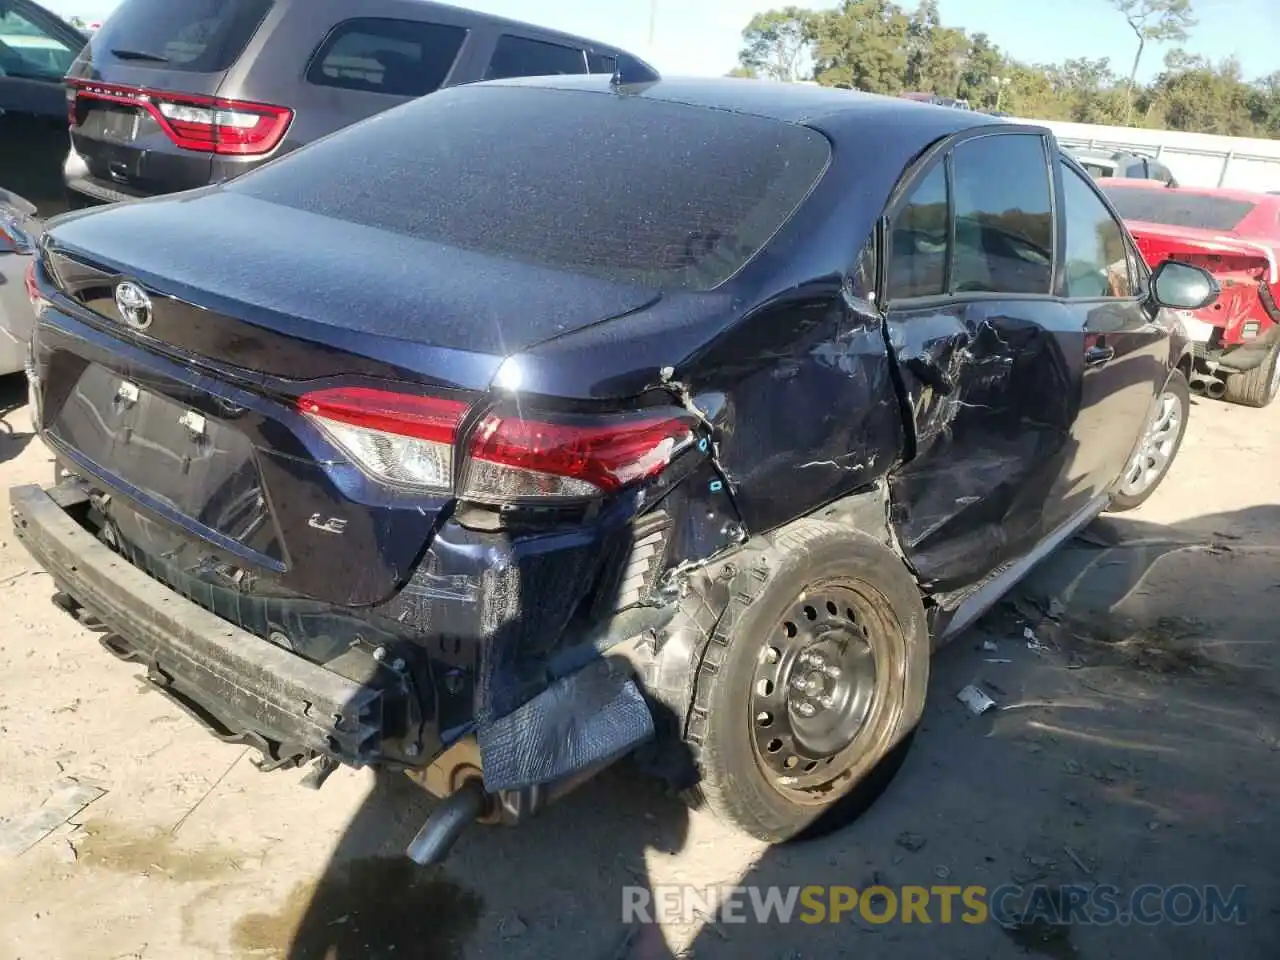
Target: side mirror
x=1181, y=286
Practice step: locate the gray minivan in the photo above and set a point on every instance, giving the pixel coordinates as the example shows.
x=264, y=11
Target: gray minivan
x=171, y=95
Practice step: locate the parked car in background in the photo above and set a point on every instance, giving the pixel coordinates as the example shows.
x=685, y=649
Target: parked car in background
x=36, y=49
x=171, y=96
x=1235, y=234
x=1124, y=166
x=649, y=439
x=937, y=100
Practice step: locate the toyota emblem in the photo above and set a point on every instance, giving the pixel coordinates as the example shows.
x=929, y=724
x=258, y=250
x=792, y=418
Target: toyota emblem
x=134, y=305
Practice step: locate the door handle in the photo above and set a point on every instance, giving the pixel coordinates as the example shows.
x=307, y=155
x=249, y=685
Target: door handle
x=1097, y=356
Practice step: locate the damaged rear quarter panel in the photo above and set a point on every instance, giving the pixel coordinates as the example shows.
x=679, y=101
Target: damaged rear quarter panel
x=810, y=412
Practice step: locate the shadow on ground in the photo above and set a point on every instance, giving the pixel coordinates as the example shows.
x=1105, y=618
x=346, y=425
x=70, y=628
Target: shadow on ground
x=15, y=428
x=1137, y=741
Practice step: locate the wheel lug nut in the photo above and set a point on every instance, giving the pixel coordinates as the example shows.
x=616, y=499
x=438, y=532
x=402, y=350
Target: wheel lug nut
x=831, y=671
x=805, y=708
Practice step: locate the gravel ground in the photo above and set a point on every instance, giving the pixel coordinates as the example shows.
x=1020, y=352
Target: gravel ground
x=1136, y=743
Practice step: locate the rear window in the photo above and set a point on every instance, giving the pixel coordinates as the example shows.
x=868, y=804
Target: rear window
x=198, y=36
x=522, y=57
x=1177, y=209
x=404, y=58
x=659, y=194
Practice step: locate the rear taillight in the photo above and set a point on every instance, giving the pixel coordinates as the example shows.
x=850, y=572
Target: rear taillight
x=207, y=124
x=410, y=441
x=33, y=288
x=512, y=458
x=398, y=438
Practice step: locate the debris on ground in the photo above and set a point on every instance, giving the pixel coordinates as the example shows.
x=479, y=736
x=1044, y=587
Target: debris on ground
x=990, y=646
x=975, y=699
x=911, y=841
x=20, y=834
x=1076, y=859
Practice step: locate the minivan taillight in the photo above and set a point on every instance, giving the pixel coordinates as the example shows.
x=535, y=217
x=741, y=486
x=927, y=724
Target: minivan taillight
x=207, y=124
x=410, y=440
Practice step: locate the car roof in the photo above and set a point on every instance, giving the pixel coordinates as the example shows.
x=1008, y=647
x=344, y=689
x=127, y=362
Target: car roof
x=837, y=112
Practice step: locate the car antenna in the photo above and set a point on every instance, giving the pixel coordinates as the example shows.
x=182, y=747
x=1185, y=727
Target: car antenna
x=628, y=70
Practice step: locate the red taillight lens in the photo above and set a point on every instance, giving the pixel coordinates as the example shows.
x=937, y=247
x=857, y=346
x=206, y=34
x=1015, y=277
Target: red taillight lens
x=207, y=124
x=409, y=440
x=398, y=438
x=33, y=289
x=513, y=458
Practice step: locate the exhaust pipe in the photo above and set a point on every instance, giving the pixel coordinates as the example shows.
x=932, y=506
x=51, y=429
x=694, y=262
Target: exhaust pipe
x=1199, y=386
x=1215, y=389
x=445, y=825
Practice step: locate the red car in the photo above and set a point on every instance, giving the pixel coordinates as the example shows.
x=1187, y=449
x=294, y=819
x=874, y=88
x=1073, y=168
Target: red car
x=1235, y=234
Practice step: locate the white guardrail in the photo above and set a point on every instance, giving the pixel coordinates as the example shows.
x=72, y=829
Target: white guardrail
x=1196, y=159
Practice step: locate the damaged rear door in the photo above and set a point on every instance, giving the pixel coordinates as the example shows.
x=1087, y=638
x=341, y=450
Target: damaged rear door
x=989, y=359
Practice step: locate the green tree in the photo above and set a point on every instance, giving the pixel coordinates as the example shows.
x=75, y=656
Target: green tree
x=1155, y=21
x=863, y=45
x=776, y=44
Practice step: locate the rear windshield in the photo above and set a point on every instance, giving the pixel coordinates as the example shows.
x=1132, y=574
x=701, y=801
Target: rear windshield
x=198, y=36
x=1176, y=209
x=622, y=188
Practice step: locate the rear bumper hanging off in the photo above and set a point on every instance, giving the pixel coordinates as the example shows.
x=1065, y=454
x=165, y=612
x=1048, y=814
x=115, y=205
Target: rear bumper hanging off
x=236, y=680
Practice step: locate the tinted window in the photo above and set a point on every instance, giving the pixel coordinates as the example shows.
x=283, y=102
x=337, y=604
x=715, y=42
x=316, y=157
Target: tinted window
x=520, y=57
x=1096, y=261
x=1004, y=219
x=602, y=63
x=1177, y=209
x=404, y=58
x=918, y=241
x=661, y=194
x=28, y=50
x=204, y=36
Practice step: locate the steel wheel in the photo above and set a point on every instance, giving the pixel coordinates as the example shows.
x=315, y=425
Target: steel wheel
x=815, y=686
x=1156, y=449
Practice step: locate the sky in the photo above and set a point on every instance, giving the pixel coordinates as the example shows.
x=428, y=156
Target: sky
x=703, y=36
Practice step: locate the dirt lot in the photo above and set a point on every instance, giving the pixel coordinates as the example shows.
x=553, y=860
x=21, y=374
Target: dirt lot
x=1138, y=741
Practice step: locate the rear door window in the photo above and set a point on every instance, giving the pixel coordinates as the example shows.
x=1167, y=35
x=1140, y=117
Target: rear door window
x=918, y=241
x=29, y=50
x=522, y=57
x=198, y=36
x=403, y=58
x=602, y=63
x=1004, y=216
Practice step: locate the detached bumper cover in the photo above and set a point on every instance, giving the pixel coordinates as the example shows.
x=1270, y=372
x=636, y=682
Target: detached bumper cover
x=233, y=679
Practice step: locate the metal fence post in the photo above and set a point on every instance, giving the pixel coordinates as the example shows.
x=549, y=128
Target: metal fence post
x=1226, y=162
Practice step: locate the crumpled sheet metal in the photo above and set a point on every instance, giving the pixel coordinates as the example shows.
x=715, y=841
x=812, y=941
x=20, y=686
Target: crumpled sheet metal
x=585, y=719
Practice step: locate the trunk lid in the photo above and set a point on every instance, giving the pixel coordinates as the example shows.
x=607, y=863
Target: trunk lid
x=132, y=89
x=194, y=418
x=1241, y=265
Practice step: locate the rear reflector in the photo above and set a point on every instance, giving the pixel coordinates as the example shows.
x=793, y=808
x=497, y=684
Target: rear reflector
x=398, y=438
x=514, y=459
x=207, y=124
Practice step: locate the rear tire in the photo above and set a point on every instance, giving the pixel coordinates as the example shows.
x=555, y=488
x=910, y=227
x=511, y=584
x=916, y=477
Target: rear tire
x=1257, y=387
x=1130, y=493
x=810, y=685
